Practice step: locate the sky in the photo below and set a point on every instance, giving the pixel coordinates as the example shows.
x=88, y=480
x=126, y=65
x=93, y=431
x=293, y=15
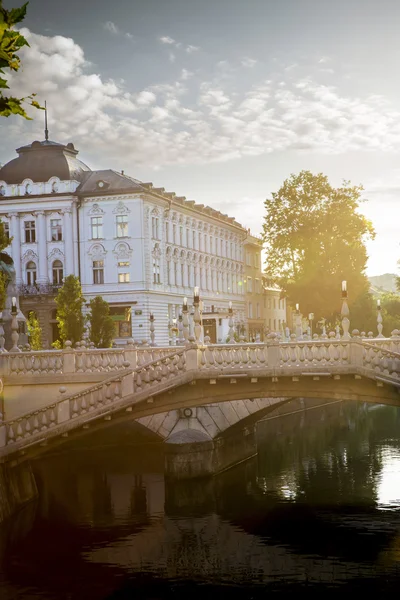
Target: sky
x=221, y=100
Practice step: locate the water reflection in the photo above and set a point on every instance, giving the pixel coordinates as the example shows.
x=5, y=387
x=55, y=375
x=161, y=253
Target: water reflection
x=318, y=506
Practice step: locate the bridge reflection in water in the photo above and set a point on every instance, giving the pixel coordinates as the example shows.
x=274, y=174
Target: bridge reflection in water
x=313, y=508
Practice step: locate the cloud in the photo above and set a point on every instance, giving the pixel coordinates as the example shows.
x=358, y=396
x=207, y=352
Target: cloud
x=185, y=74
x=248, y=62
x=189, y=121
x=115, y=30
x=167, y=40
x=111, y=27
x=172, y=57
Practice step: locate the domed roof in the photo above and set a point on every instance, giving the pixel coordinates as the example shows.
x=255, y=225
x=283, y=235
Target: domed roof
x=41, y=160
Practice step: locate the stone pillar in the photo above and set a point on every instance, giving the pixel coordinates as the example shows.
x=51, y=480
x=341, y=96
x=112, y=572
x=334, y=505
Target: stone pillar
x=209, y=279
x=75, y=237
x=203, y=283
x=178, y=281
x=191, y=278
x=170, y=265
x=68, y=243
x=15, y=232
x=41, y=240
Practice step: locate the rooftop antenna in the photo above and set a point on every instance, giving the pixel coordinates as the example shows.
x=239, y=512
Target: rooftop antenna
x=46, y=131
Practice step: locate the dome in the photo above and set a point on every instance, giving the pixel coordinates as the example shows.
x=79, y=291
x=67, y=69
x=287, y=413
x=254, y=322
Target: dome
x=41, y=160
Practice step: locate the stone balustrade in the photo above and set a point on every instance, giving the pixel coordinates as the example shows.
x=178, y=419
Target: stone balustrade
x=382, y=361
x=173, y=368
x=79, y=360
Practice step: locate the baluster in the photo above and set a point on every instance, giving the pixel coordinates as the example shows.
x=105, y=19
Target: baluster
x=10, y=436
x=83, y=405
x=27, y=429
x=92, y=400
x=139, y=379
x=44, y=422
x=108, y=393
x=302, y=356
x=36, y=364
x=59, y=363
x=75, y=408
x=252, y=356
x=52, y=417
x=51, y=363
x=210, y=358
x=79, y=362
x=293, y=355
x=88, y=358
x=117, y=388
x=385, y=364
x=44, y=364
x=35, y=423
x=19, y=432
x=100, y=396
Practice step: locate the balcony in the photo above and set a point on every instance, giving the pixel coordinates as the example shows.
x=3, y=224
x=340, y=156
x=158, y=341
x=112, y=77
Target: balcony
x=42, y=289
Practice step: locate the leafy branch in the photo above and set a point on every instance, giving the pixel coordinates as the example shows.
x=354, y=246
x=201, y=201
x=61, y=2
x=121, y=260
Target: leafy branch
x=11, y=42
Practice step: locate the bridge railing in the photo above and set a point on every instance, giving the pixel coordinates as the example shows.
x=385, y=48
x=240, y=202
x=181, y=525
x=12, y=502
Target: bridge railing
x=79, y=360
x=381, y=361
x=180, y=366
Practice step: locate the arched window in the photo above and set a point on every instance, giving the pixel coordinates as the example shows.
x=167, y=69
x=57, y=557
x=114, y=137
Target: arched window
x=31, y=273
x=58, y=272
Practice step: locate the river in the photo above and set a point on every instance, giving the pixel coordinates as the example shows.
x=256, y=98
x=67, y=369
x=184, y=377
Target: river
x=317, y=509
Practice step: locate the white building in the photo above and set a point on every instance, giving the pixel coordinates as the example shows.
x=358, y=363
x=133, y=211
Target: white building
x=142, y=249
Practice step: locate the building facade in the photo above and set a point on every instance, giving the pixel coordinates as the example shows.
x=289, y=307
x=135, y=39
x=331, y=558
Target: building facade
x=142, y=249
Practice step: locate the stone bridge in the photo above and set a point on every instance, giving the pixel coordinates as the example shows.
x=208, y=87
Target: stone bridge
x=171, y=390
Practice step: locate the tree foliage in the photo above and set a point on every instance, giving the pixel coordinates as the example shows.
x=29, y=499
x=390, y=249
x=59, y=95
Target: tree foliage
x=315, y=239
x=11, y=41
x=3, y=290
x=101, y=324
x=69, y=302
x=390, y=304
x=34, y=331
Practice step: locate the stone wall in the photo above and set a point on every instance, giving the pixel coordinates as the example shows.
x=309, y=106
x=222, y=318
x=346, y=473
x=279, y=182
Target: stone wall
x=17, y=488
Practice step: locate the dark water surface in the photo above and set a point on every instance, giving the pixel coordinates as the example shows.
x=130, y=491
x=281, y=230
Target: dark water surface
x=317, y=511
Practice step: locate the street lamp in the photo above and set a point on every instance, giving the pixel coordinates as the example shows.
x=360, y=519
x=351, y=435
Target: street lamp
x=345, y=313
x=197, y=316
x=299, y=329
x=311, y=319
x=230, y=323
x=152, y=334
x=379, y=319
x=185, y=319
x=14, y=326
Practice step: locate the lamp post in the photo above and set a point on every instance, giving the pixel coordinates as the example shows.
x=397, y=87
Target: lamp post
x=345, y=313
x=230, y=323
x=181, y=338
x=379, y=319
x=299, y=329
x=152, y=334
x=14, y=326
x=185, y=320
x=311, y=319
x=174, y=331
x=197, y=315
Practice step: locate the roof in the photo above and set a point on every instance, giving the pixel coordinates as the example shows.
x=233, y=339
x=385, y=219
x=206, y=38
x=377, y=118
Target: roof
x=40, y=161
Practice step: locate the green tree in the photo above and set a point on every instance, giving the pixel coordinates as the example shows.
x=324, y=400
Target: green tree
x=314, y=239
x=34, y=331
x=4, y=280
x=101, y=324
x=69, y=302
x=390, y=306
x=11, y=41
